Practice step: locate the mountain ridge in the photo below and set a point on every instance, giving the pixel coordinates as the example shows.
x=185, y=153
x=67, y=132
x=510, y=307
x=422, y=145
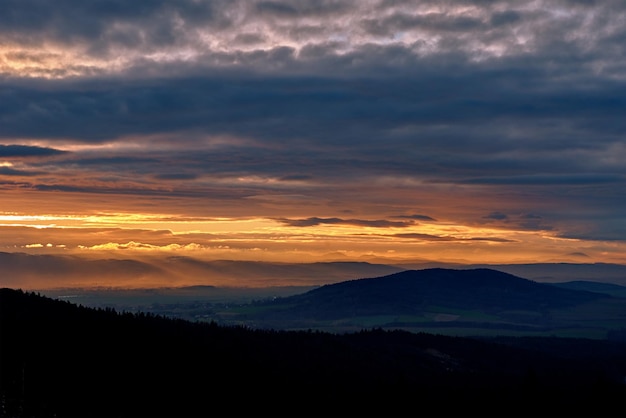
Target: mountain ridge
x=411, y=290
x=442, y=300
x=47, y=271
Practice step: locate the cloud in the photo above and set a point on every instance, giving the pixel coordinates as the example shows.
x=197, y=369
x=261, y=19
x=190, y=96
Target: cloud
x=522, y=221
x=578, y=254
x=21, y=151
x=548, y=180
x=8, y=171
x=139, y=246
x=165, y=37
x=447, y=238
x=113, y=161
x=296, y=177
x=425, y=237
x=416, y=216
x=489, y=239
x=176, y=176
x=497, y=216
x=315, y=221
x=302, y=9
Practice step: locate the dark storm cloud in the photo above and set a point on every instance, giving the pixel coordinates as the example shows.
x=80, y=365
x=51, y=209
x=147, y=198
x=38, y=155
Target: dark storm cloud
x=315, y=221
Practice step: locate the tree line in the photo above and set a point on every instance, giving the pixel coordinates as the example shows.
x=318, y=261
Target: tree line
x=61, y=359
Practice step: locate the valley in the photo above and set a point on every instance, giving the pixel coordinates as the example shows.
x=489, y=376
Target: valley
x=566, y=309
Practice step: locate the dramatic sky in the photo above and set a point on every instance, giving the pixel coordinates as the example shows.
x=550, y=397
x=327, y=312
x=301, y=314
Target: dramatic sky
x=293, y=130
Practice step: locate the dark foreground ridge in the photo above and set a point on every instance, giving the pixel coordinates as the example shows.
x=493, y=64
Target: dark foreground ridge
x=60, y=359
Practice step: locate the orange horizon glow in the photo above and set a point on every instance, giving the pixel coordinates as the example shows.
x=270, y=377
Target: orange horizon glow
x=114, y=234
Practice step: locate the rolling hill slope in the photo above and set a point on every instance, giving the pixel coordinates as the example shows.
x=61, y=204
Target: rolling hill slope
x=442, y=298
x=411, y=291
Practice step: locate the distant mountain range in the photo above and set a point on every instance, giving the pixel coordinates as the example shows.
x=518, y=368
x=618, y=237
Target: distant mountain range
x=598, y=287
x=27, y=271
x=562, y=272
x=38, y=272
x=475, y=300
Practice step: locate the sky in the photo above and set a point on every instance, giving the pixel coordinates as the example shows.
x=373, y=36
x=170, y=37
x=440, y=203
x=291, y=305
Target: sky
x=302, y=131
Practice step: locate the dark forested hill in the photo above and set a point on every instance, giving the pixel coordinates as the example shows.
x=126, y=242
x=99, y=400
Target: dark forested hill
x=476, y=301
x=412, y=290
x=59, y=359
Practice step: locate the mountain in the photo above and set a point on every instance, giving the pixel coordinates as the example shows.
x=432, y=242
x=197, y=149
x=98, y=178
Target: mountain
x=607, y=288
x=47, y=271
x=64, y=360
x=260, y=273
x=545, y=272
x=27, y=271
x=42, y=272
x=562, y=272
x=411, y=291
x=471, y=299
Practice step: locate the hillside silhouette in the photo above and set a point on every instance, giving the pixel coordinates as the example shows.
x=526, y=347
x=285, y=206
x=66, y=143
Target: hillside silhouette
x=411, y=291
x=474, y=300
x=60, y=359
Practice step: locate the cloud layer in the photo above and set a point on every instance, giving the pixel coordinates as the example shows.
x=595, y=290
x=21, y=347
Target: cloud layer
x=497, y=115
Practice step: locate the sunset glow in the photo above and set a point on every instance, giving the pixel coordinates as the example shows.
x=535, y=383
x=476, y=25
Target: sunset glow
x=387, y=132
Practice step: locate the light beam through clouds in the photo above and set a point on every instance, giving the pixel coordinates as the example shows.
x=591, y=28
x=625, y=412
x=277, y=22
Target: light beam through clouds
x=462, y=131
